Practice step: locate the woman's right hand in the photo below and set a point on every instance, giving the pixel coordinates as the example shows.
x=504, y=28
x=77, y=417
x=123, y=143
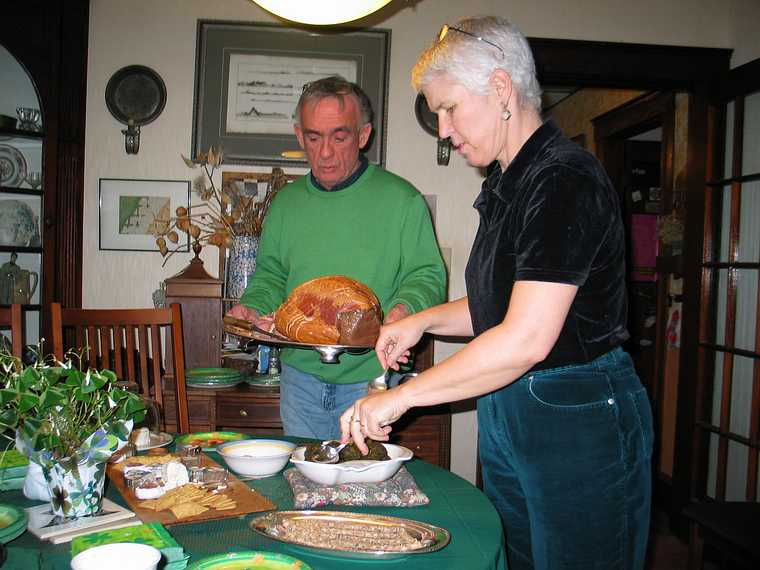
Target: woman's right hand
x=396, y=339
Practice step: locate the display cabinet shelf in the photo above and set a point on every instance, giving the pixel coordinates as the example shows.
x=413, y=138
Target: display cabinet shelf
x=18, y=249
x=22, y=134
x=16, y=190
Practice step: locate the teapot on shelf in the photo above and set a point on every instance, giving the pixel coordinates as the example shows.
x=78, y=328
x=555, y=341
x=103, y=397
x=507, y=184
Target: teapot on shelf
x=17, y=285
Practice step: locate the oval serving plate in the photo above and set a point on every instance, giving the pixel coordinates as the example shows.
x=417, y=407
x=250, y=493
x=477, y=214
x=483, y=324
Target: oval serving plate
x=381, y=531
x=12, y=166
x=329, y=353
x=210, y=439
x=250, y=560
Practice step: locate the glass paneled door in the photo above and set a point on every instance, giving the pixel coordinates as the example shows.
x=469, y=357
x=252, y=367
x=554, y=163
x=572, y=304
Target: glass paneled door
x=728, y=405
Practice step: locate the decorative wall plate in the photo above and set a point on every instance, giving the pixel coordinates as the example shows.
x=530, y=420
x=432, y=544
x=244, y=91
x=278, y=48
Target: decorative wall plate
x=135, y=94
x=425, y=117
x=12, y=166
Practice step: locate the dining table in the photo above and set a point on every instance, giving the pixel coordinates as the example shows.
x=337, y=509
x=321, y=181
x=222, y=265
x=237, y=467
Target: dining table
x=456, y=505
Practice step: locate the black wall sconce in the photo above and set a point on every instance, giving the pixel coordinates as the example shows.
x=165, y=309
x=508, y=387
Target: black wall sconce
x=135, y=96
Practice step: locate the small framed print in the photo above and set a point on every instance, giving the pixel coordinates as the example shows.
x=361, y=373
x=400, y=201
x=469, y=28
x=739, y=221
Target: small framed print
x=129, y=210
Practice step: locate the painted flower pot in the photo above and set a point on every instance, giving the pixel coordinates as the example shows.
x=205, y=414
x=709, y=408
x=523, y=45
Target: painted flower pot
x=76, y=490
x=241, y=264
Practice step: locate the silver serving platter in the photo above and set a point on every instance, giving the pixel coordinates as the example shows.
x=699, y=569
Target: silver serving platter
x=433, y=538
x=328, y=353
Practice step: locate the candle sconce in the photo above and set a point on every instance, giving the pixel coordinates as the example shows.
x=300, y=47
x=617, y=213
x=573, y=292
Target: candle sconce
x=135, y=96
x=429, y=123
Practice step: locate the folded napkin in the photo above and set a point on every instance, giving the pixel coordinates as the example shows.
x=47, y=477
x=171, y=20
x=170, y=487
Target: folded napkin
x=399, y=491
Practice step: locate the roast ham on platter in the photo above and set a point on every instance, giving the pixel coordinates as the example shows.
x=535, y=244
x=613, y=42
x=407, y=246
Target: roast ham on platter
x=334, y=309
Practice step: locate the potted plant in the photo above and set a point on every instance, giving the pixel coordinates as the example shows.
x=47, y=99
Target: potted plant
x=68, y=421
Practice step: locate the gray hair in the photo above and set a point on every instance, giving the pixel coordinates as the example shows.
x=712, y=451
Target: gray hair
x=471, y=61
x=338, y=87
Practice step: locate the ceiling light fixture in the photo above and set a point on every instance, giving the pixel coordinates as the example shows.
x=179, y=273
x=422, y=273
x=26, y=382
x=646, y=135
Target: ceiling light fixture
x=321, y=12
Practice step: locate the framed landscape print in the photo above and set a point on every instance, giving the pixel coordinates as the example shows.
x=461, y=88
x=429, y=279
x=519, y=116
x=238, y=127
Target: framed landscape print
x=249, y=77
x=129, y=210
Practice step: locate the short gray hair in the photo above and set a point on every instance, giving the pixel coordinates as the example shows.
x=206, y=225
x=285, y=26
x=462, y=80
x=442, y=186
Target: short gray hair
x=338, y=87
x=470, y=62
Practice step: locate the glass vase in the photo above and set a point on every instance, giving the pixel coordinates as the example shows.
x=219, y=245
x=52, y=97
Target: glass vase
x=241, y=265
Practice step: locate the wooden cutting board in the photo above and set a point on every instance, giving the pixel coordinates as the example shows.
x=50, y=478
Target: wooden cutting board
x=246, y=499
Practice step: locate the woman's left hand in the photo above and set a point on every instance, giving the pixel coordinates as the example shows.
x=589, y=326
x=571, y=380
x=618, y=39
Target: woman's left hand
x=371, y=416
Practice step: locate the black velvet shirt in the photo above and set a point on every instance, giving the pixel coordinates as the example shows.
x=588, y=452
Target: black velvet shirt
x=553, y=216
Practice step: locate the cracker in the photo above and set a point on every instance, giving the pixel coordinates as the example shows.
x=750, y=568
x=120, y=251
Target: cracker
x=150, y=504
x=188, y=509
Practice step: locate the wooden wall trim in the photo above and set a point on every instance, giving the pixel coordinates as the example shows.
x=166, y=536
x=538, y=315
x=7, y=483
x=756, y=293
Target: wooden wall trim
x=625, y=65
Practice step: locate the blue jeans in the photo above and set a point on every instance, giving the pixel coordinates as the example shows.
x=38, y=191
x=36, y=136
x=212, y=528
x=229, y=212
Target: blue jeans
x=312, y=408
x=565, y=456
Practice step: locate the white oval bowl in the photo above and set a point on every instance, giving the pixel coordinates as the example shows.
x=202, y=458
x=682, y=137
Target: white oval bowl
x=130, y=556
x=361, y=471
x=256, y=458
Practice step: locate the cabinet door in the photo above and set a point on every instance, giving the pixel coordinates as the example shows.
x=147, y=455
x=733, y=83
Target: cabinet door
x=202, y=327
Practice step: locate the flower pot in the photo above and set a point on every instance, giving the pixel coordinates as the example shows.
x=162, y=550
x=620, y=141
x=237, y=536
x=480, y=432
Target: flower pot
x=76, y=490
x=35, y=484
x=241, y=264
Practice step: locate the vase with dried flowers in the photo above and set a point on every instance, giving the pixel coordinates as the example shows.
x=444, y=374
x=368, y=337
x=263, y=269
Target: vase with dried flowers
x=230, y=216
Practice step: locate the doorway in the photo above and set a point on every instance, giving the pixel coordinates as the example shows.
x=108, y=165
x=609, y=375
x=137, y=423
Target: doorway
x=636, y=144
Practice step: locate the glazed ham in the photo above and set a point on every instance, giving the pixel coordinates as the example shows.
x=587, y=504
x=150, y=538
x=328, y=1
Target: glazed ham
x=330, y=310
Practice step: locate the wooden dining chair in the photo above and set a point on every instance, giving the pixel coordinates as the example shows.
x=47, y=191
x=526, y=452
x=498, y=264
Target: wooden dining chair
x=13, y=318
x=128, y=341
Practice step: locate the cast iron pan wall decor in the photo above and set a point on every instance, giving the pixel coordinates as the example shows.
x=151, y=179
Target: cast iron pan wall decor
x=135, y=96
x=429, y=123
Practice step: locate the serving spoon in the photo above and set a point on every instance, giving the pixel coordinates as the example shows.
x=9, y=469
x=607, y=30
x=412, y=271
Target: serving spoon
x=331, y=451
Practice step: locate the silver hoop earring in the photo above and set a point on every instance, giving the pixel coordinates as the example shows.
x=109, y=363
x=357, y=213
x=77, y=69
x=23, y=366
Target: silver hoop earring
x=506, y=114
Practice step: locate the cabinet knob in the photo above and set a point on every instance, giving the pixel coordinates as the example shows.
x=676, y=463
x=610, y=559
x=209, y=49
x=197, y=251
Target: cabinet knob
x=213, y=337
x=244, y=413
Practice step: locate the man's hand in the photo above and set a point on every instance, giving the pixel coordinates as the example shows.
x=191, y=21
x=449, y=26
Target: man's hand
x=396, y=313
x=247, y=314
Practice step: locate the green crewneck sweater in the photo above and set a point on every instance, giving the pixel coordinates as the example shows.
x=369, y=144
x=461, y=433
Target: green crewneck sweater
x=377, y=231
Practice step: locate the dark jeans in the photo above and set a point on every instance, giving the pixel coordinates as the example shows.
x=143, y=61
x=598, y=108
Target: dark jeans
x=565, y=457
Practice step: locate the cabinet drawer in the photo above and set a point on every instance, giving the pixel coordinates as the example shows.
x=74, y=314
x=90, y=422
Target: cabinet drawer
x=428, y=435
x=263, y=412
x=201, y=410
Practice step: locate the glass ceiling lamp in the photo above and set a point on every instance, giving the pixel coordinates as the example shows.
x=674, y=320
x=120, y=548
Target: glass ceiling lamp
x=321, y=12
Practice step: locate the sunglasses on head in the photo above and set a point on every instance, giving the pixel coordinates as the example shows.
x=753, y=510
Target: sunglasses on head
x=445, y=29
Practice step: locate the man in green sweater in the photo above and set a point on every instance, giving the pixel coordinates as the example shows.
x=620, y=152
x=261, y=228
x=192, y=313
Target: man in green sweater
x=347, y=217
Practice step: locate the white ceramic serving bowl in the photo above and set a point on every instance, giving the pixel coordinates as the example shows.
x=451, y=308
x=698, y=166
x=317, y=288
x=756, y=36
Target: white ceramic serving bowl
x=361, y=471
x=256, y=457
x=130, y=556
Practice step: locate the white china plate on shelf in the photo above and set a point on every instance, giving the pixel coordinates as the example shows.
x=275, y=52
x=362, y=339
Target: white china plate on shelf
x=12, y=166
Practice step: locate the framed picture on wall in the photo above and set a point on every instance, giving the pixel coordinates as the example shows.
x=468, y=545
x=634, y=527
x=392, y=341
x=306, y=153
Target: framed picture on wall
x=130, y=209
x=249, y=77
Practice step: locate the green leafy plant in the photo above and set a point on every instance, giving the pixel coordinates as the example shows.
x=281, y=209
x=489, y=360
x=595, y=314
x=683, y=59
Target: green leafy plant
x=57, y=412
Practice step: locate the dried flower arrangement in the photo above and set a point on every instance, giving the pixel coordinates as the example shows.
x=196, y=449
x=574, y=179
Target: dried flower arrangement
x=222, y=214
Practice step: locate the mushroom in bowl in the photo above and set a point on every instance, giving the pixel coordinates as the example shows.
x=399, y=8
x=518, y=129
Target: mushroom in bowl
x=256, y=458
x=353, y=471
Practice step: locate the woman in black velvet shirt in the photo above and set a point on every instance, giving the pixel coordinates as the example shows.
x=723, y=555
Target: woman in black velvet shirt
x=565, y=427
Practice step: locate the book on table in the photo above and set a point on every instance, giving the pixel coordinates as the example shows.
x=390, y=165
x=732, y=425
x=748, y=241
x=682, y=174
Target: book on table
x=45, y=525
